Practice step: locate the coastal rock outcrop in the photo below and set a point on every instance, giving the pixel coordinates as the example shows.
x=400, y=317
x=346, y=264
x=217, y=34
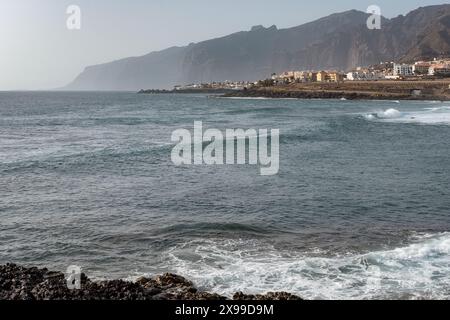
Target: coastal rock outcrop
x=270, y=296
x=21, y=283
x=353, y=90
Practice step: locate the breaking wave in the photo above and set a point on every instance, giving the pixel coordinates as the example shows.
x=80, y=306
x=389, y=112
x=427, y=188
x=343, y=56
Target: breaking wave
x=438, y=115
x=418, y=271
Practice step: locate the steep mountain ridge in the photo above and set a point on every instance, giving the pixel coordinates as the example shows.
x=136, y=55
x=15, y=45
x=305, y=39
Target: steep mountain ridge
x=338, y=41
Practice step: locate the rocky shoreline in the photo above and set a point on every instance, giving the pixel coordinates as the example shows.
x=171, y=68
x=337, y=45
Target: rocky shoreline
x=353, y=90
x=186, y=91
x=22, y=283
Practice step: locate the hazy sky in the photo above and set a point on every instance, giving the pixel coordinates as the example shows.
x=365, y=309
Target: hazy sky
x=37, y=51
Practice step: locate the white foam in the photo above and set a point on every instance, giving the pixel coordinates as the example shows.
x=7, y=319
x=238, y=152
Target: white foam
x=437, y=109
x=245, y=98
x=420, y=270
x=437, y=115
x=388, y=114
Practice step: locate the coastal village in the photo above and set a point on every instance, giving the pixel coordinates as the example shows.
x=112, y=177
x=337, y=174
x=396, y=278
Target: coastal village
x=419, y=70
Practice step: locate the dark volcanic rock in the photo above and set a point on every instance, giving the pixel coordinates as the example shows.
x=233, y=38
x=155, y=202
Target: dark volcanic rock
x=271, y=296
x=174, y=287
x=20, y=283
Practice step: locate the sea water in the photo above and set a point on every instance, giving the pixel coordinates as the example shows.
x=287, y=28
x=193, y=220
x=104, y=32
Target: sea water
x=360, y=207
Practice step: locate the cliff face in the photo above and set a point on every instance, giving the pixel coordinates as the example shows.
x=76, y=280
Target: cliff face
x=154, y=70
x=338, y=41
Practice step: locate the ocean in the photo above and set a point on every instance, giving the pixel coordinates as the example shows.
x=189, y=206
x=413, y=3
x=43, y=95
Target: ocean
x=360, y=208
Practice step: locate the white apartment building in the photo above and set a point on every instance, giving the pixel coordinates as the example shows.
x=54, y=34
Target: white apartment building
x=403, y=70
x=364, y=75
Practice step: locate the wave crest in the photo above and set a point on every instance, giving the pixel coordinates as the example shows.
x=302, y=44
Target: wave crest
x=439, y=115
x=420, y=270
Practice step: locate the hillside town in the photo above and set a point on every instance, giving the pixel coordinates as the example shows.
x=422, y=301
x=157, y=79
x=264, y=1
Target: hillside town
x=434, y=69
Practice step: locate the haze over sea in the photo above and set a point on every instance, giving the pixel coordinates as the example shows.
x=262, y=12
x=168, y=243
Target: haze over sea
x=359, y=209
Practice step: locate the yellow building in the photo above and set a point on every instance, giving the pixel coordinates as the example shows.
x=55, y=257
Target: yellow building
x=332, y=76
x=335, y=77
x=322, y=76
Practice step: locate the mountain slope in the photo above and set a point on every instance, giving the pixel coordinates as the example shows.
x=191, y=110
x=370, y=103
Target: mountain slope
x=156, y=69
x=338, y=41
